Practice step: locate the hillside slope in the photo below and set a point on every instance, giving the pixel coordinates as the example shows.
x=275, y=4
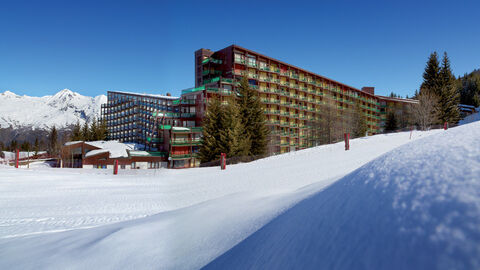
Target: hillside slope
x=62, y=109
x=417, y=207
x=167, y=219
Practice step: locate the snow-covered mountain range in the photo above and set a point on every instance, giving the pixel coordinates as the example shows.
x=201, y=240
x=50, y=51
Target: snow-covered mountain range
x=62, y=109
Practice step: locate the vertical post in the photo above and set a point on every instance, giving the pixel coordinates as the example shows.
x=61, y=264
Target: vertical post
x=223, y=161
x=115, y=168
x=445, y=126
x=17, y=157
x=411, y=131
x=347, y=141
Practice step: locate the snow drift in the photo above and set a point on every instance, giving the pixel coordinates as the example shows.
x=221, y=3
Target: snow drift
x=416, y=207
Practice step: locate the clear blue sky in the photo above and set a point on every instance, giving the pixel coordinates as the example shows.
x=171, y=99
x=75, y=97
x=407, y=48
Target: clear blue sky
x=147, y=46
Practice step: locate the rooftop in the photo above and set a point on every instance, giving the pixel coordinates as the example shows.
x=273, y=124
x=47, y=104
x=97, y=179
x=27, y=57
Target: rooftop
x=145, y=94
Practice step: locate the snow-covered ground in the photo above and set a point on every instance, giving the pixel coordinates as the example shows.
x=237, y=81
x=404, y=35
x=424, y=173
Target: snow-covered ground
x=166, y=219
x=22, y=154
x=417, y=207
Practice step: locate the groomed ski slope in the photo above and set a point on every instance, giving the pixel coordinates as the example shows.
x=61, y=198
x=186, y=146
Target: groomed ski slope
x=167, y=219
x=417, y=207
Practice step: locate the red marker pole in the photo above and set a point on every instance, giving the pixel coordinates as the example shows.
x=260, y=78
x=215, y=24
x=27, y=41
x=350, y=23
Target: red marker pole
x=17, y=157
x=115, y=168
x=223, y=161
x=347, y=141
x=445, y=126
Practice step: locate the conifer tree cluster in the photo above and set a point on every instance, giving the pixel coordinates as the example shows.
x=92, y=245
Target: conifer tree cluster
x=96, y=131
x=469, y=88
x=24, y=146
x=391, y=122
x=440, y=82
x=235, y=127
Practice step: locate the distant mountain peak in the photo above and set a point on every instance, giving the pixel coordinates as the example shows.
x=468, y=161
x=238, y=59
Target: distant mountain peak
x=9, y=94
x=64, y=108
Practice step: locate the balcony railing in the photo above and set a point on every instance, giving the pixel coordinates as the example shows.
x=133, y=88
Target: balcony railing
x=239, y=61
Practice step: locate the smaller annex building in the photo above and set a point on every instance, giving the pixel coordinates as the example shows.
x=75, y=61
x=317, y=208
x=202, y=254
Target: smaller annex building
x=103, y=154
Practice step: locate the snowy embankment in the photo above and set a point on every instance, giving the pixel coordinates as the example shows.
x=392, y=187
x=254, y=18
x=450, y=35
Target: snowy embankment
x=417, y=207
x=182, y=219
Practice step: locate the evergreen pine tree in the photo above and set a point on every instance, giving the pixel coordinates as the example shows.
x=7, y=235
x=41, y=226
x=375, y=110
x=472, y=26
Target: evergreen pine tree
x=25, y=146
x=445, y=73
x=253, y=118
x=449, y=96
x=431, y=75
x=13, y=146
x=76, y=132
x=210, y=149
x=94, y=136
x=53, y=141
x=415, y=95
x=36, y=146
x=391, y=123
x=102, y=130
x=85, y=132
x=232, y=142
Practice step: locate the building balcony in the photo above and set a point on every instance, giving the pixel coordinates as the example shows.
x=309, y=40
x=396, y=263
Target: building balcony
x=180, y=156
x=184, y=142
x=187, y=115
x=239, y=61
x=238, y=72
x=211, y=60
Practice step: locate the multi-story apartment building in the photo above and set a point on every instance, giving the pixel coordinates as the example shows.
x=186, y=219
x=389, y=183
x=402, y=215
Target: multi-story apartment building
x=131, y=117
x=292, y=98
x=147, y=119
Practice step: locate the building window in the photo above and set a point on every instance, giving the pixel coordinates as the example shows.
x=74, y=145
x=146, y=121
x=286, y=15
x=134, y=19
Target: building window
x=238, y=57
x=252, y=61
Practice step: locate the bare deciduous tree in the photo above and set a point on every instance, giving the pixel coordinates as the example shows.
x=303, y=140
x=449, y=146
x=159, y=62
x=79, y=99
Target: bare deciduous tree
x=425, y=112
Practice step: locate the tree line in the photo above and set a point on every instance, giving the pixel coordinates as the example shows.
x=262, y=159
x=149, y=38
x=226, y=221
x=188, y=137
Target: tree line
x=439, y=94
x=22, y=146
x=330, y=124
x=55, y=138
x=469, y=87
x=95, y=131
